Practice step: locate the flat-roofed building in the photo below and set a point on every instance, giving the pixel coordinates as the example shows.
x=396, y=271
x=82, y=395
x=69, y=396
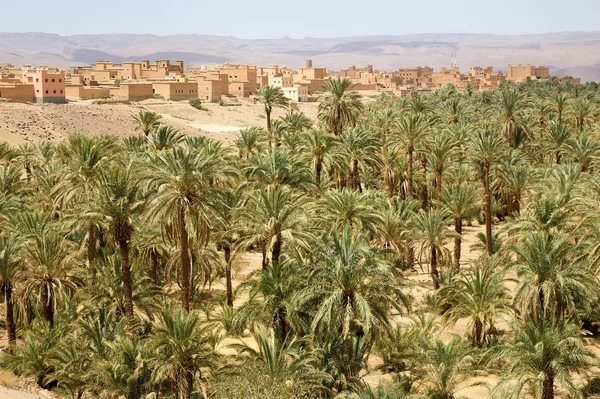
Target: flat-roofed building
x=49, y=85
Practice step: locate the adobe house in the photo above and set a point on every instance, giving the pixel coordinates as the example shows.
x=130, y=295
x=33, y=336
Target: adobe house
x=49, y=85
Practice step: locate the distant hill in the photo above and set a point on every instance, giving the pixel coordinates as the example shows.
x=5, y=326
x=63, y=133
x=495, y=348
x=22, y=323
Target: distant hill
x=570, y=53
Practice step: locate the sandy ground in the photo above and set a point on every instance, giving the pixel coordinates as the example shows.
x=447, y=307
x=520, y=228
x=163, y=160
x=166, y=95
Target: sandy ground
x=21, y=122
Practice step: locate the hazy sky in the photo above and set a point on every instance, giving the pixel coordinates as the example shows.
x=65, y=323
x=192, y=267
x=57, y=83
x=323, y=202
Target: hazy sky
x=316, y=18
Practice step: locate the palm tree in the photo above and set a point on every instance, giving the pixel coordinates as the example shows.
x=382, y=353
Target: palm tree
x=271, y=97
x=119, y=202
x=460, y=201
x=561, y=101
x=347, y=208
x=444, y=367
x=582, y=111
x=541, y=356
x=250, y=141
x=486, y=149
x=358, y=147
x=278, y=168
x=318, y=145
x=429, y=227
x=392, y=230
x=83, y=159
x=480, y=295
x=164, y=137
x=10, y=266
x=181, y=348
x=296, y=122
x=455, y=110
x=583, y=150
x=147, y=121
x=273, y=216
x=411, y=129
x=352, y=289
x=440, y=148
x=182, y=179
x=511, y=101
x=49, y=259
x=339, y=106
x=556, y=136
x=555, y=281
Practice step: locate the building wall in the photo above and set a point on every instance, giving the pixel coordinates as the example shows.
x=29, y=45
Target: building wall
x=240, y=89
x=132, y=91
x=177, y=91
x=49, y=87
x=522, y=72
x=17, y=92
x=80, y=92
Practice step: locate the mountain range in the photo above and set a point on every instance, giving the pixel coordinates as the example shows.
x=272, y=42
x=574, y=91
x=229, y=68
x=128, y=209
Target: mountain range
x=566, y=53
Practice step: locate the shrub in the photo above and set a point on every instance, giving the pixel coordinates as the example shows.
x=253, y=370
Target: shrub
x=158, y=96
x=197, y=103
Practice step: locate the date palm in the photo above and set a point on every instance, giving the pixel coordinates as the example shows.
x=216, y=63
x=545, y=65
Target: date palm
x=318, y=146
x=555, y=280
x=10, y=266
x=556, y=136
x=410, y=129
x=481, y=295
x=584, y=150
x=82, y=160
x=296, y=122
x=461, y=202
x=49, y=273
x=486, y=149
x=560, y=101
x=181, y=178
x=147, y=121
x=164, y=137
x=431, y=230
x=510, y=103
x=541, y=357
x=251, y=141
x=271, y=97
x=583, y=113
x=440, y=148
x=339, y=106
x=278, y=168
x=358, y=146
x=347, y=208
x=119, y=203
x=181, y=349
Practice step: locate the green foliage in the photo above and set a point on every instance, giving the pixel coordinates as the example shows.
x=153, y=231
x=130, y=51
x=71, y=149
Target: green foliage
x=197, y=103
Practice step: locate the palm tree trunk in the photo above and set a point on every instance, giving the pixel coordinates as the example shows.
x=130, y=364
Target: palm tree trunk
x=487, y=203
x=228, y=285
x=126, y=277
x=10, y=318
x=478, y=332
x=265, y=262
x=457, y=242
x=318, y=170
x=154, y=266
x=189, y=382
x=48, y=309
x=439, y=171
x=433, y=269
x=269, y=128
x=337, y=130
x=409, y=186
x=91, y=249
x=276, y=252
x=186, y=282
x=425, y=191
x=548, y=386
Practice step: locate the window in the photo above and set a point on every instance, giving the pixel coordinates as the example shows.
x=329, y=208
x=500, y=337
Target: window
x=46, y=80
x=37, y=91
x=52, y=80
x=62, y=92
x=37, y=80
x=54, y=92
x=59, y=80
x=46, y=91
x=207, y=88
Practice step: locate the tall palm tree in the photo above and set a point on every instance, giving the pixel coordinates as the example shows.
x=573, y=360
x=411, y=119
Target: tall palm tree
x=460, y=201
x=251, y=141
x=560, y=101
x=352, y=289
x=555, y=281
x=83, y=159
x=358, y=146
x=430, y=228
x=49, y=273
x=181, y=348
x=119, y=202
x=10, y=266
x=182, y=179
x=347, y=208
x=147, y=121
x=273, y=216
x=486, y=149
x=271, y=97
x=296, y=122
x=510, y=103
x=583, y=112
x=339, y=106
x=556, y=137
x=480, y=295
x=440, y=148
x=541, y=356
x=318, y=145
x=411, y=129
x=164, y=137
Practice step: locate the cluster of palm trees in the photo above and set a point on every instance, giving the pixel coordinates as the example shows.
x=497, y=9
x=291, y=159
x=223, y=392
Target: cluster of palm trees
x=112, y=251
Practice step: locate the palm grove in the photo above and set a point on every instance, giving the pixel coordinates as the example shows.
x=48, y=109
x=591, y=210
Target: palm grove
x=112, y=251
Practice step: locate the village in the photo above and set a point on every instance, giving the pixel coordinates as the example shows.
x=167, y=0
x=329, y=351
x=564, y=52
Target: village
x=138, y=81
